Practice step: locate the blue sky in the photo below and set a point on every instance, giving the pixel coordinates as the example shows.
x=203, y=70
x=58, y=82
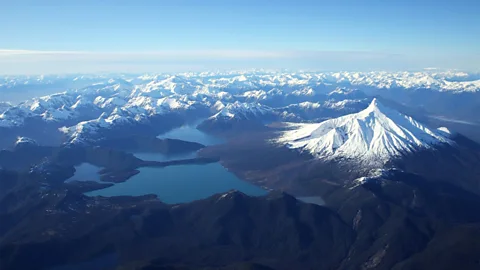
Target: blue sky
x=176, y=35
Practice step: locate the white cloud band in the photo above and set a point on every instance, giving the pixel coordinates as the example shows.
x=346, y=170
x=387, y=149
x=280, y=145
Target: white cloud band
x=40, y=62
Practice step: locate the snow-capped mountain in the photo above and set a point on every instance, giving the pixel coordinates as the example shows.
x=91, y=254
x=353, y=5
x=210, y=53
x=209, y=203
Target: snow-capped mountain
x=373, y=136
x=312, y=111
x=241, y=111
x=24, y=141
x=434, y=80
x=342, y=94
x=238, y=116
x=87, y=131
x=14, y=116
x=4, y=106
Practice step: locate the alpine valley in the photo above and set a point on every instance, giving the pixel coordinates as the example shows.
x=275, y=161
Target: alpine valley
x=281, y=170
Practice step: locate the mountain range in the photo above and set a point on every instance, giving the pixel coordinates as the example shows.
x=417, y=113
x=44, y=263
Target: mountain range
x=96, y=102
x=385, y=151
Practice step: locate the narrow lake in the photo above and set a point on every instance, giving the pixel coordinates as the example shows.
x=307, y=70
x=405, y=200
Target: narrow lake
x=85, y=172
x=192, y=134
x=313, y=200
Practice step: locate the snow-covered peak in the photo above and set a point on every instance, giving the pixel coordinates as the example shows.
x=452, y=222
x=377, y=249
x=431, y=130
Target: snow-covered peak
x=342, y=93
x=4, y=106
x=218, y=106
x=308, y=91
x=372, y=136
x=24, y=141
x=86, y=131
x=242, y=110
x=255, y=94
x=339, y=91
x=58, y=114
x=14, y=116
x=309, y=105
x=375, y=107
x=79, y=133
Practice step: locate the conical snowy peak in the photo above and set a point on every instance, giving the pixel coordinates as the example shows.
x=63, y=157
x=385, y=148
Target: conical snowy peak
x=374, y=136
x=375, y=106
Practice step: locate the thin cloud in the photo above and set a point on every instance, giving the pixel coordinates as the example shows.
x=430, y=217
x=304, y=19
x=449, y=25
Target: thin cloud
x=228, y=54
x=8, y=52
x=207, y=54
x=13, y=61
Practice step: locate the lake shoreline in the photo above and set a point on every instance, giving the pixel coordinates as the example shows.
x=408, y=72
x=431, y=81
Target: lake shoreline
x=197, y=160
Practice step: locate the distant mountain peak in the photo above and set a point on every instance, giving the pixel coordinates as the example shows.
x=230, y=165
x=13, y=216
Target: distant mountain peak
x=374, y=136
x=24, y=141
x=241, y=110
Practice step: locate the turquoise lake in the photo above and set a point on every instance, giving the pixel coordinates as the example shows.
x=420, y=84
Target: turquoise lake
x=182, y=183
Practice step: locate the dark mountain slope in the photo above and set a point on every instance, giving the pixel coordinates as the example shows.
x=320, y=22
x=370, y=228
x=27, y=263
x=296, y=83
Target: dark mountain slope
x=399, y=221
